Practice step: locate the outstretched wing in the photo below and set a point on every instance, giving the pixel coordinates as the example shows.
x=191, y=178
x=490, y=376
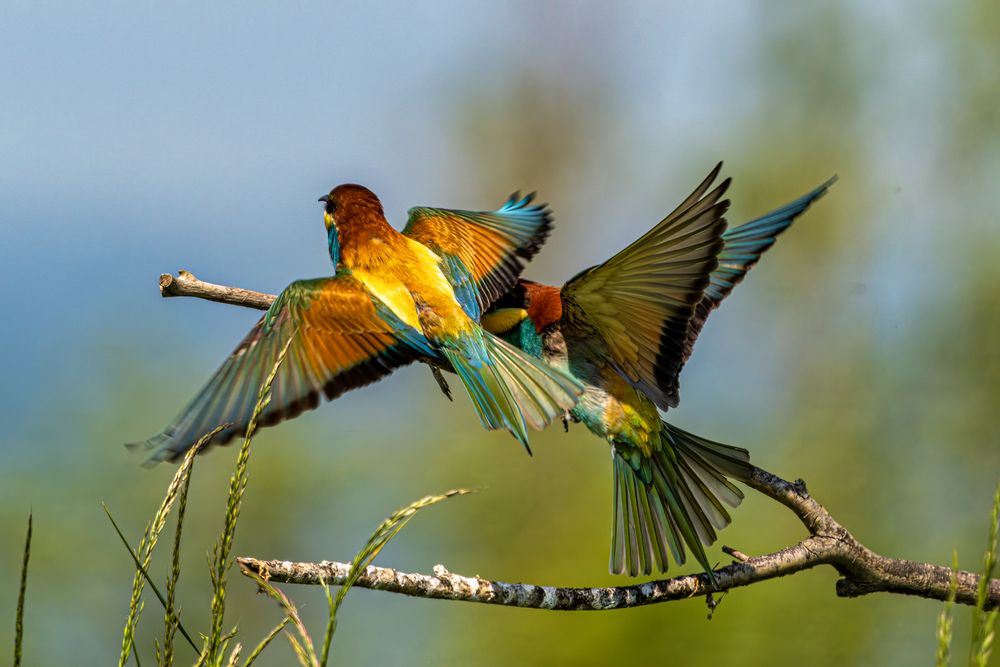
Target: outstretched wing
x=484, y=251
x=743, y=248
x=641, y=300
x=340, y=340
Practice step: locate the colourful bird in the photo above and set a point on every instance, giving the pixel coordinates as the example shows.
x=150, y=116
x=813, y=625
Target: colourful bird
x=624, y=329
x=395, y=298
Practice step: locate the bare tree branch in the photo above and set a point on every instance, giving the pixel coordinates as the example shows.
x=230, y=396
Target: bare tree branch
x=862, y=570
x=185, y=284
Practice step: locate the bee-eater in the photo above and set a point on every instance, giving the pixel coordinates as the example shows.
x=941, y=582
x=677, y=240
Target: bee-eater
x=394, y=298
x=624, y=329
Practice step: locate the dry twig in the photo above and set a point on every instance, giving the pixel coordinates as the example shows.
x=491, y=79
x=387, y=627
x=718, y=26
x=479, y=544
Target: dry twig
x=862, y=570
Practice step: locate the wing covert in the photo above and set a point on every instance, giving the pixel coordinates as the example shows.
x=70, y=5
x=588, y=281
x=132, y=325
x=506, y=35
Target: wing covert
x=490, y=248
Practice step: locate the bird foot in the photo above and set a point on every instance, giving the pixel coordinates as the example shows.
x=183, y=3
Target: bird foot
x=441, y=382
x=566, y=419
x=713, y=603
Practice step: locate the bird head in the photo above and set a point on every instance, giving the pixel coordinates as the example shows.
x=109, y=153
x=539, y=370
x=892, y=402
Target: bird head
x=349, y=202
x=540, y=304
x=349, y=206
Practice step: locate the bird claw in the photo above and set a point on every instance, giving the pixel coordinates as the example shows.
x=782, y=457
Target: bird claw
x=442, y=383
x=713, y=602
x=567, y=418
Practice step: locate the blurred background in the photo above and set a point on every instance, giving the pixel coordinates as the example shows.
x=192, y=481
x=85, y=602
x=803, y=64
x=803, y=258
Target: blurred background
x=863, y=354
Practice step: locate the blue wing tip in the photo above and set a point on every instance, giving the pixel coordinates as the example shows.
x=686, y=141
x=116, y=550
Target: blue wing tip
x=807, y=200
x=816, y=193
x=515, y=202
x=766, y=228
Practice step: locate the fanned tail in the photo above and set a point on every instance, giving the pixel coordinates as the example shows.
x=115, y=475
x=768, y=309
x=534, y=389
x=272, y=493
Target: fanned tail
x=673, y=499
x=510, y=388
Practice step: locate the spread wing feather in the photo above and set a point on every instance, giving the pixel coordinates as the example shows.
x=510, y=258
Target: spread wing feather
x=641, y=301
x=743, y=248
x=340, y=340
x=491, y=246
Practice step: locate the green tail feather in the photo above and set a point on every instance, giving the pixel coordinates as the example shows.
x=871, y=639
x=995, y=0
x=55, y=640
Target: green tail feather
x=490, y=396
x=514, y=388
x=673, y=499
x=541, y=392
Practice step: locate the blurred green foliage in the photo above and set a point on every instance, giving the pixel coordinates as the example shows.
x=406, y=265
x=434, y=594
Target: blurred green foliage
x=862, y=355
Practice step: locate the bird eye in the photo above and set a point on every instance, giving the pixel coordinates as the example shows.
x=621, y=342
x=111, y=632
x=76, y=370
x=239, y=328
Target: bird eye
x=330, y=204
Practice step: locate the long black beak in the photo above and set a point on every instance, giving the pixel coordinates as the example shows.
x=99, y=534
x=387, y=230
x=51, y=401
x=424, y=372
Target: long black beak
x=325, y=199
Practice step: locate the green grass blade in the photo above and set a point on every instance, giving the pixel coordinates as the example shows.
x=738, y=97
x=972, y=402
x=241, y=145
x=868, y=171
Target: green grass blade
x=148, y=543
x=984, y=622
x=19, y=619
x=303, y=646
x=382, y=535
x=142, y=569
x=203, y=655
x=134, y=605
x=300, y=653
x=266, y=641
x=135, y=557
x=330, y=624
x=946, y=618
x=171, y=617
x=220, y=561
